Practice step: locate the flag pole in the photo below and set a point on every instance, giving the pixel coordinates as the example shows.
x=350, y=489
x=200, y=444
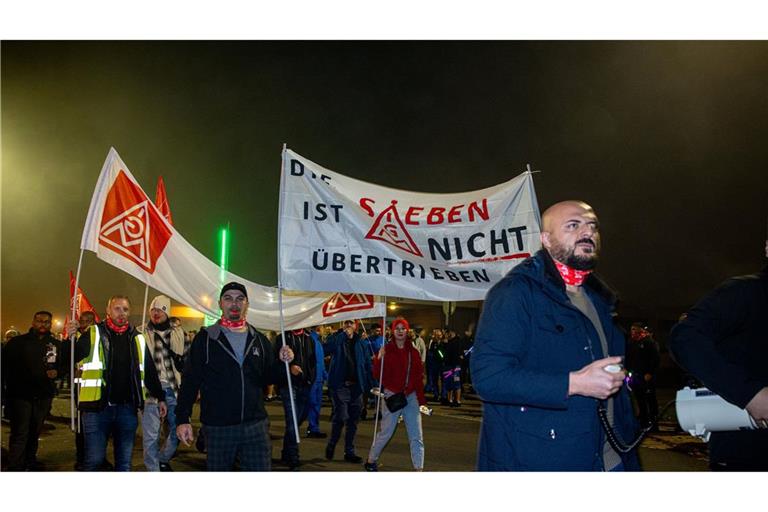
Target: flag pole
x=381, y=373
x=280, y=298
x=144, y=311
x=72, y=347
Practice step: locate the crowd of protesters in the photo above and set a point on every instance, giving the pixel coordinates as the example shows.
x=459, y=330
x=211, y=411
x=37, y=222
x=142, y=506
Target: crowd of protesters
x=152, y=375
x=533, y=380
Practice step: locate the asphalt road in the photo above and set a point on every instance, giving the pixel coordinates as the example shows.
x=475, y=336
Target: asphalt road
x=450, y=438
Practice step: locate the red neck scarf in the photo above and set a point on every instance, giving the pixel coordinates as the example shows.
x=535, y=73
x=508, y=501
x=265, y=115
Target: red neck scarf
x=118, y=329
x=571, y=276
x=232, y=324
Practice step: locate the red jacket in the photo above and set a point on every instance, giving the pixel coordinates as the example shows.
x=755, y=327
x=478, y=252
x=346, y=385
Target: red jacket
x=395, y=365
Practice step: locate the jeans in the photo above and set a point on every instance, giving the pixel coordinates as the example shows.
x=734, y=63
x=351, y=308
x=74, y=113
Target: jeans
x=451, y=380
x=301, y=398
x=151, y=425
x=27, y=418
x=412, y=420
x=315, y=403
x=121, y=422
x=347, y=403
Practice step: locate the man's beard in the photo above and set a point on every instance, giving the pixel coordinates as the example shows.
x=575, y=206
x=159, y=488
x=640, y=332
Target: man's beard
x=234, y=316
x=567, y=256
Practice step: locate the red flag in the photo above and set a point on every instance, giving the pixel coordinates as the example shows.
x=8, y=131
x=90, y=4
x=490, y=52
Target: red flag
x=161, y=200
x=130, y=226
x=82, y=304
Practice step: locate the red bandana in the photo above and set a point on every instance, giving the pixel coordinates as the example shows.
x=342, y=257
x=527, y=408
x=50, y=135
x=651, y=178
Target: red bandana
x=232, y=324
x=571, y=276
x=118, y=329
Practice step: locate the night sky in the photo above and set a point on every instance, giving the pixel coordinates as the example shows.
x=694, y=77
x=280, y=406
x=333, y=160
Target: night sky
x=666, y=140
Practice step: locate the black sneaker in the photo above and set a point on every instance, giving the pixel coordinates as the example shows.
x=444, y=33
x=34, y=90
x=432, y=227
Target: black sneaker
x=316, y=435
x=371, y=466
x=351, y=457
x=164, y=466
x=293, y=465
x=329, y=451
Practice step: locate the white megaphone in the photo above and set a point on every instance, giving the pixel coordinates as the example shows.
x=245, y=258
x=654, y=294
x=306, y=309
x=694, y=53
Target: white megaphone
x=701, y=412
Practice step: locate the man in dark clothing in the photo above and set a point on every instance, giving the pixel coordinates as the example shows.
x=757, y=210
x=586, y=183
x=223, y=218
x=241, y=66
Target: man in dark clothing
x=546, y=358
x=643, y=364
x=374, y=341
x=348, y=376
x=229, y=363
x=30, y=365
x=723, y=342
x=303, y=370
x=118, y=376
x=451, y=370
x=434, y=363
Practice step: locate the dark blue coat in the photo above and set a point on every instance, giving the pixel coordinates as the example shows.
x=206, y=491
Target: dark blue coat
x=334, y=347
x=529, y=338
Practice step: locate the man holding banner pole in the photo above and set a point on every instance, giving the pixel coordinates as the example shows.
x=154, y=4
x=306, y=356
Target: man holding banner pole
x=229, y=363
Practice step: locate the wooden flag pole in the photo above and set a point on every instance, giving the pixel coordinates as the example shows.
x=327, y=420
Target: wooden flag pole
x=381, y=373
x=280, y=302
x=144, y=311
x=72, y=337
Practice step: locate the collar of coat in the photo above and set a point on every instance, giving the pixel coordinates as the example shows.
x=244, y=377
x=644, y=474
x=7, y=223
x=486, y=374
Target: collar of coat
x=541, y=268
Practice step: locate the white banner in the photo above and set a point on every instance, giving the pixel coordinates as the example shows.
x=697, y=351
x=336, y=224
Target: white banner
x=125, y=229
x=338, y=233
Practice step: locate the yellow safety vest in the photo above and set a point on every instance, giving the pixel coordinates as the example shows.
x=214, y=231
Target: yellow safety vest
x=92, y=379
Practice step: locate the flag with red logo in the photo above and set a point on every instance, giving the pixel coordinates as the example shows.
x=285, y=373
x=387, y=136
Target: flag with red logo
x=161, y=200
x=79, y=301
x=127, y=230
x=339, y=233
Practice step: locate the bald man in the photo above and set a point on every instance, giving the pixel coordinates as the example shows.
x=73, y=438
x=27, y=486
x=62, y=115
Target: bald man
x=547, y=355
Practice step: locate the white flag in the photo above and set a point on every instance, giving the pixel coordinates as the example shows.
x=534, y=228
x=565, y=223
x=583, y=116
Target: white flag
x=125, y=229
x=338, y=233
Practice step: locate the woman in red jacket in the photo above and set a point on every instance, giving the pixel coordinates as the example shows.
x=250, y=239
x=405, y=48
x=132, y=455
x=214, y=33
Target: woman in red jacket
x=403, y=373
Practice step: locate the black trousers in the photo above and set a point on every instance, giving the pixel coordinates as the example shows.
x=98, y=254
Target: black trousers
x=647, y=404
x=27, y=418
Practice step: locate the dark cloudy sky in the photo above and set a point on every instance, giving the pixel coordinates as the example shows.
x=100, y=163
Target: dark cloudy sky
x=667, y=140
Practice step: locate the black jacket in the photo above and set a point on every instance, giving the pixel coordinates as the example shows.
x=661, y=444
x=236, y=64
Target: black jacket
x=151, y=380
x=230, y=394
x=723, y=342
x=453, y=353
x=24, y=367
x=303, y=347
x=643, y=356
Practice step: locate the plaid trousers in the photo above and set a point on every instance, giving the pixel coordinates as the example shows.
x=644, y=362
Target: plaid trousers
x=247, y=443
